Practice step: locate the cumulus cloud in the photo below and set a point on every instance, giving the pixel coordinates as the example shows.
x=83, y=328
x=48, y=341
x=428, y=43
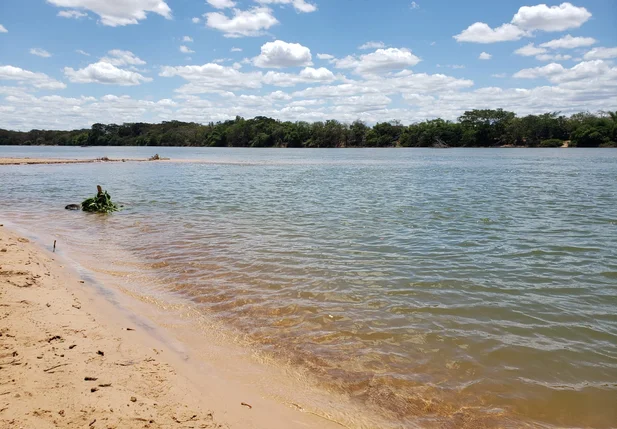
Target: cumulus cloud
x=591, y=86
x=299, y=5
x=527, y=20
x=485, y=56
x=601, y=54
x=279, y=54
x=118, y=13
x=553, y=57
x=186, y=50
x=554, y=18
x=74, y=14
x=118, y=57
x=325, y=56
x=569, y=42
x=212, y=77
x=105, y=73
x=481, y=32
x=382, y=60
x=372, y=45
x=40, y=52
x=195, y=20
x=556, y=73
x=530, y=50
x=79, y=51
x=308, y=75
x=3, y=29
x=234, y=49
x=187, y=39
x=243, y=23
x=26, y=77
x=221, y=4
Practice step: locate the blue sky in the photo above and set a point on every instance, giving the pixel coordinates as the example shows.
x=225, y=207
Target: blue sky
x=70, y=63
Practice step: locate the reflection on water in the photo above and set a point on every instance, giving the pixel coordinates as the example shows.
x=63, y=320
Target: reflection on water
x=461, y=287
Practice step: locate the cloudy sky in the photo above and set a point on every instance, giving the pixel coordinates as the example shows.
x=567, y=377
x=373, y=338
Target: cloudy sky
x=69, y=63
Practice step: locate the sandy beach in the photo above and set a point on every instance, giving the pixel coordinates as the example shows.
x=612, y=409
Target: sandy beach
x=68, y=359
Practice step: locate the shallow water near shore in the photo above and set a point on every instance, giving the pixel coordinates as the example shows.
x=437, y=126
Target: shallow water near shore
x=470, y=287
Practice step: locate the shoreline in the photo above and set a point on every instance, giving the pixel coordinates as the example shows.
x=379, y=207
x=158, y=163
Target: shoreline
x=54, y=326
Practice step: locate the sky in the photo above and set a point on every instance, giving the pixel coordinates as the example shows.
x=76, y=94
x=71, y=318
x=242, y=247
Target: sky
x=67, y=64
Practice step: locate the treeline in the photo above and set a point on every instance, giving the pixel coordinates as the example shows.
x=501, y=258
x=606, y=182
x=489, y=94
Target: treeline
x=476, y=128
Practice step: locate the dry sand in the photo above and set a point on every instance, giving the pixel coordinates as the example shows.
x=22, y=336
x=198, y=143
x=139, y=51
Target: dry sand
x=68, y=361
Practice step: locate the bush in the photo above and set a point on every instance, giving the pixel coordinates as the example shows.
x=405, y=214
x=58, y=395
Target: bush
x=551, y=143
x=100, y=203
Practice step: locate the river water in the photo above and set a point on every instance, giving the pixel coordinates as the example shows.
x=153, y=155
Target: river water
x=469, y=287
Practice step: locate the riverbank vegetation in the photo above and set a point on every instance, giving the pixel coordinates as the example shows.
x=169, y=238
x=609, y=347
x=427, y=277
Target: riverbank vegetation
x=475, y=128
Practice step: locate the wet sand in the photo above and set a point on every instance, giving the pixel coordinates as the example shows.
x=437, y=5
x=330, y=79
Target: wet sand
x=68, y=359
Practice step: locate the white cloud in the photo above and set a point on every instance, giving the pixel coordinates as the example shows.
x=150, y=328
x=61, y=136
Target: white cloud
x=485, y=56
x=308, y=75
x=480, y=32
x=553, y=57
x=234, y=49
x=372, y=45
x=118, y=13
x=601, y=54
x=527, y=20
x=74, y=14
x=537, y=72
x=212, y=78
x=499, y=75
x=195, y=20
x=325, y=56
x=556, y=73
x=382, y=60
x=320, y=74
x=569, y=42
x=299, y=5
x=244, y=23
x=187, y=39
x=79, y=51
x=186, y=50
x=414, y=5
x=3, y=29
x=279, y=54
x=26, y=77
x=40, y=52
x=407, y=96
x=118, y=57
x=530, y=50
x=221, y=4
x=105, y=73
x=554, y=18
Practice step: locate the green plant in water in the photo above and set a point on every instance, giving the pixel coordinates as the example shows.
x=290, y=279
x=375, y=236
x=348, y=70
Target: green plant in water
x=100, y=203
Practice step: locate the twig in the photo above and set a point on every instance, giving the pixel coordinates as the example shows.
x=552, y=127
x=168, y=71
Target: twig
x=319, y=415
x=177, y=420
x=54, y=367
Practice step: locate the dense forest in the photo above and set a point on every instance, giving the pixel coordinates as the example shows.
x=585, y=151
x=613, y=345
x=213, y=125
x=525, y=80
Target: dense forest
x=475, y=128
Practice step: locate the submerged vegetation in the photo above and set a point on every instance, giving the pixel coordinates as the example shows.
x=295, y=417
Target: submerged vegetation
x=475, y=128
x=100, y=203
